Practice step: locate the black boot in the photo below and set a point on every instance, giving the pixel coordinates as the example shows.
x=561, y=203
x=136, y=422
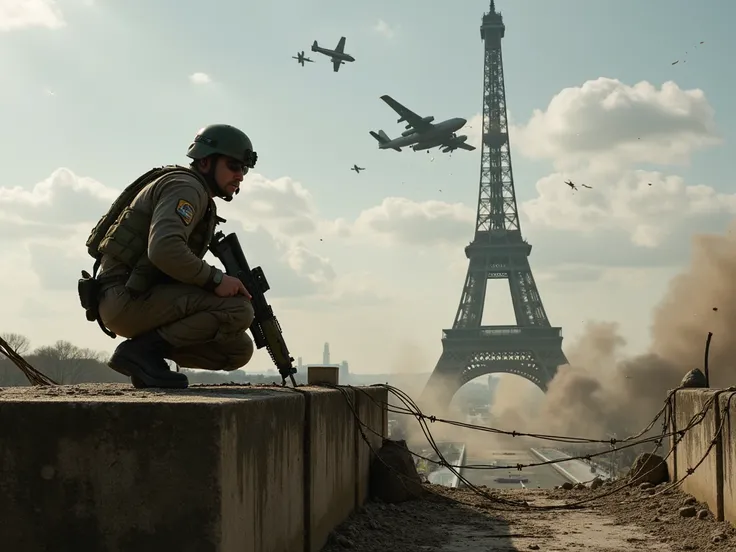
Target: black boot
x=142, y=358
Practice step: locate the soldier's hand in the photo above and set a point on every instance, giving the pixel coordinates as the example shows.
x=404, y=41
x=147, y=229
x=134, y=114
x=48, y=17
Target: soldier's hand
x=230, y=287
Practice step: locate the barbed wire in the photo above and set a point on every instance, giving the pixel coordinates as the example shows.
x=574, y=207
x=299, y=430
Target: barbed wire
x=416, y=412
x=412, y=406
x=668, y=488
x=718, y=434
x=34, y=376
x=413, y=409
x=630, y=443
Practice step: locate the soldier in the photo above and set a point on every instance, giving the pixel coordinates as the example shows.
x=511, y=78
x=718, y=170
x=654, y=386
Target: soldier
x=155, y=287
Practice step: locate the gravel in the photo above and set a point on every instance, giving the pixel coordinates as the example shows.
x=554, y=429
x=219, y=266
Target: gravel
x=460, y=520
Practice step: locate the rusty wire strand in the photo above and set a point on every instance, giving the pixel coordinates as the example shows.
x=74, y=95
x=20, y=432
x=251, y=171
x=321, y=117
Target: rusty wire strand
x=695, y=420
x=33, y=375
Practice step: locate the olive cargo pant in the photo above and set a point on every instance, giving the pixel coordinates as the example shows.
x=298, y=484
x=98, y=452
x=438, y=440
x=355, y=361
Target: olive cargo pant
x=206, y=331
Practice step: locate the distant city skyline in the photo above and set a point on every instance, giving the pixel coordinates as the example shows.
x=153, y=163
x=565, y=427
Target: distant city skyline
x=302, y=366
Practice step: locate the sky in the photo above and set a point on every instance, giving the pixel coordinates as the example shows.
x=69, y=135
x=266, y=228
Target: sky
x=96, y=92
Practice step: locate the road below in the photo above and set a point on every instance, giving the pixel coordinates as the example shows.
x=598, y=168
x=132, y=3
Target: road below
x=538, y=477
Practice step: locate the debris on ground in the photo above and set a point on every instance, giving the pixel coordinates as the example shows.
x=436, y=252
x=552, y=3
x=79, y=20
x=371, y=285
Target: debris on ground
x=394, y=477
x=455, y=520
x=649, y=468
x=672, y=516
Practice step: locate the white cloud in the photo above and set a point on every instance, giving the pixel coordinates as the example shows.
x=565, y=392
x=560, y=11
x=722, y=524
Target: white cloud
x=600, y=134
x=200, y=78
x=56, y=215
x=276, y=220
x=608, y=123
x=430, y=223
x=647, y=205
x=287, y=209
x=384, y=29
x=310, y=289
x=23, y=14
x=283, y=204
x=63, y=198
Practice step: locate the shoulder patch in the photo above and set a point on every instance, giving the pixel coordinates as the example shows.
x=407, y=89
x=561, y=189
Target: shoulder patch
x=185, y=210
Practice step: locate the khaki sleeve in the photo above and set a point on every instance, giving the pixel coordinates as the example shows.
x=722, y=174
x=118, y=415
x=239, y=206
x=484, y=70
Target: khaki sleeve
x=180, y=205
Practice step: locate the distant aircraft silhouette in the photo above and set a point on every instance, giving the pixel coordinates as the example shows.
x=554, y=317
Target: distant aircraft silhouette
x=573, y=187
x=301, y=59
x=357, y=169
x=337, y=56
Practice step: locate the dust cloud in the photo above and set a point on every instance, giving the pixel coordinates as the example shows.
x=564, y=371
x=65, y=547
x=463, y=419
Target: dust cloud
x=602, y=391
x=408, y=372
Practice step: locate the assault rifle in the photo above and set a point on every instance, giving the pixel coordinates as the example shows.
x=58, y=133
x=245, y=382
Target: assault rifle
x=265, y=328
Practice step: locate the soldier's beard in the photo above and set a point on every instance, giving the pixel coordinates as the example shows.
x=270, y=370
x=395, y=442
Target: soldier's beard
x=231, y=189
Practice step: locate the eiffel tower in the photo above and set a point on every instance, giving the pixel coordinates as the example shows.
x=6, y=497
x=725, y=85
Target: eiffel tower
x=532, y=348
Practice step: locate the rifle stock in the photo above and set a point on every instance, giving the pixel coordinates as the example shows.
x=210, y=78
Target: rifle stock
x=265, y=328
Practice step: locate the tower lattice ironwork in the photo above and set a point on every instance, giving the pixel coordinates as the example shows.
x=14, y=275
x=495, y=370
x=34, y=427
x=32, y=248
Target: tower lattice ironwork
x=532, y=348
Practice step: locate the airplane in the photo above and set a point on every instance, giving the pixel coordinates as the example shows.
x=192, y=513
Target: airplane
x=357, y=169
x=338, y=55
x=421, y=133
x=301, y=59
x=574, y=188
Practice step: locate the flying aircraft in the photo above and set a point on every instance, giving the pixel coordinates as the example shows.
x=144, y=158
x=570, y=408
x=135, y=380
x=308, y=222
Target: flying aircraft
x=299, y=57
x=574, y=188
x=338, y=55
x=357, y=169
x=421, y=133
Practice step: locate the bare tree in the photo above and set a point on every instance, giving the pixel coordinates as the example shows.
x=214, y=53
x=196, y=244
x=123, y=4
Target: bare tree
x=19, y=343
x=65, y=362
x=9, y=371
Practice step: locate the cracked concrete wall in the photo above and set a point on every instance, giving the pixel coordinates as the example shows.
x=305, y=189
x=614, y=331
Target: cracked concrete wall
x=213, y=468
x=707, y=450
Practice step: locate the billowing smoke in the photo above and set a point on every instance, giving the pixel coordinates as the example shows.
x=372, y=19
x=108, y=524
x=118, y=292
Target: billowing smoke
x=603, y=392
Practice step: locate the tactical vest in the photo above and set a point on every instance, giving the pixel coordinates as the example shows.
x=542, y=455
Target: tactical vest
x=122, y=233
x=126, y=239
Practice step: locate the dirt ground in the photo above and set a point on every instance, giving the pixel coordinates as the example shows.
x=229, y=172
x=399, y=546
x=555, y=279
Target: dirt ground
x=459, y=520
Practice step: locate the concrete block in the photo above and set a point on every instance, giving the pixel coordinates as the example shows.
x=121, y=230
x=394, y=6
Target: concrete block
x=209, y=468
x=262, y=469
x=332, y=457
x=323, y=374
x=703, y=483
x=371, y=406
x=339, y=457
x=111, y=468
x=728, y=401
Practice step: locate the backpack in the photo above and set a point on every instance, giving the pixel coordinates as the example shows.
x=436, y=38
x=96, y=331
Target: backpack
x=88, y=286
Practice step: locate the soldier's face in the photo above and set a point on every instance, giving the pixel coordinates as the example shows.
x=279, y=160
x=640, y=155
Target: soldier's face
x=229, y=174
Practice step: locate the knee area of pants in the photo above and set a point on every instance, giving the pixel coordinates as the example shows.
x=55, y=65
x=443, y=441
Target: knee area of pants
x=242, y=314
x=240, y=357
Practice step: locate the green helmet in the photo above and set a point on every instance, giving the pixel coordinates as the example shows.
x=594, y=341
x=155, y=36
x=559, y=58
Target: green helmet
x=223, y=140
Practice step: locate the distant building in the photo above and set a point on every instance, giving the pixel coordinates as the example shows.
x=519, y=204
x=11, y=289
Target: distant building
x=344, y=371
x=326, y=354
x=492, y=386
